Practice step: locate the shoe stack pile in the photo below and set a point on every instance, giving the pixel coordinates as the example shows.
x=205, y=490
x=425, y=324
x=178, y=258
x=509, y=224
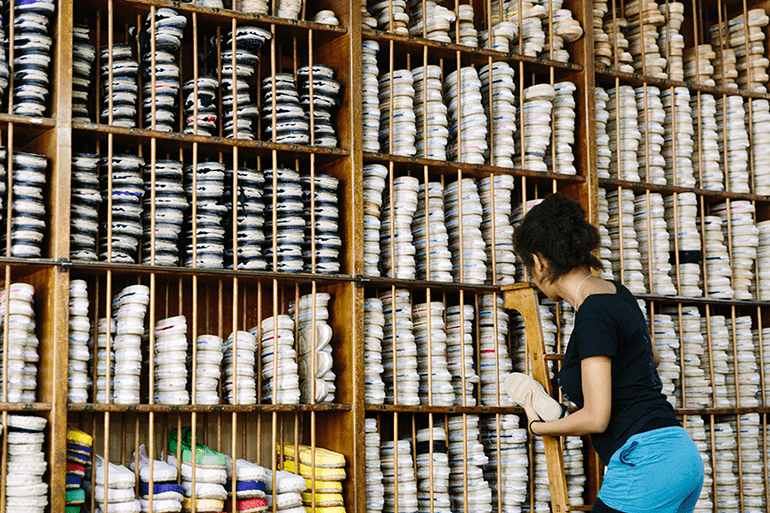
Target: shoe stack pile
x=24, y=487
x=623, y=236
x=397, y=113
x=688, y=239
x=22, y=343
x=374, y=186
x=288, y=490
x=83, y=57
x=119, y=96
x=604, y=44
x=430, y=113
x=745, y=239
x=603, y=153
x=114, y=489
x=206, y=100
x=395, y=20
x=717, y=258
x=463, y=217
x=396, y=243
x=466, y=463
x=760, y=143
x=129, y=310
x=566, y=316
x=167, y=206
x=749, y=49
x=171, y=361
x=667, y=344
x=726, y=479
x=79, y=449
x=204, y=241
x=532, y=34
x=124, y=207
x=467, y=120
x=697, y=65
x=459, y=328
x=287, y=9
x=103, y=361
x=496, y=228
x=314, y=343
x=249, y=486
x=208, y=369
x=434, y=245
x=288, y=233
x=678, y=136
x=28, y=224
x=573, y=468
x=370, y=102
x=78, y=380
x=433, y=470
x=616, y=30
x=500, y=37
x=731, y=126
x=209, y=493
x=513, y=465
x=605, y=245
x=430, y=337
x=670, y=41
x=721, y=357
x=250, y=218
x=32, y=56
x=465, y=32
x=536, y=132
x=497, y=97
x=84, y=206
x=747, y=386
x=238, y=109
x=326, y=96
x=623, y=132
x=649, y=155
x=724, y=76
x=434, y=24
x=167, y=495
x=697, y=383
x=325, y=240
x=287, y=124
x=654, y=244
x=280, y=379
x=160, y=96
x=399, y=350
x=375, y=492
x=239, y=359
x=323, y=471
x=542, y=490
x=644, y=18
x=549, y=330
x=763, y=257
x=398, y=476
x=494, y=360
x=695, y=428
x=374, y=322
x=561, y=159
x=707, y=143
x=751, y=467
x=566, y=30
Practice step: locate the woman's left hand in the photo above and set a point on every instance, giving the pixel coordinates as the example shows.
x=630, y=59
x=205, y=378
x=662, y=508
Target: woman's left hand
x=529, y=409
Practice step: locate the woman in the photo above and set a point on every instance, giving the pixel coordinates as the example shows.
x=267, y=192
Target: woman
x=608, y=371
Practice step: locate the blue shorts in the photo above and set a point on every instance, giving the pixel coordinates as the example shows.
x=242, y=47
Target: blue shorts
x=659, y=470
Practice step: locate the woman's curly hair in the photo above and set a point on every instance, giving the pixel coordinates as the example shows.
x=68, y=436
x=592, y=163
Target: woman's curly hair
x=556, y=230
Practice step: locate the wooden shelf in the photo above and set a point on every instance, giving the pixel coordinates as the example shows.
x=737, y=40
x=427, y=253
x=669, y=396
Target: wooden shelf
x=25, y=407
x=671, y=189
x=216, y=408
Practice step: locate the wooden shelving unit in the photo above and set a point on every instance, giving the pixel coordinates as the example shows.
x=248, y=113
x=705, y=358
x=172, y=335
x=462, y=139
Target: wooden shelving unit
x=220, y=301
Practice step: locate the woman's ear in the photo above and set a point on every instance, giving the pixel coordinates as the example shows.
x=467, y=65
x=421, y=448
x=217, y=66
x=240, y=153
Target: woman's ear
x=538, y=262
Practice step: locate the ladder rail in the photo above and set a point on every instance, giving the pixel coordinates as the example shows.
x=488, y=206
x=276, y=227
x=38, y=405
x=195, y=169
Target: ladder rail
x=522, y=297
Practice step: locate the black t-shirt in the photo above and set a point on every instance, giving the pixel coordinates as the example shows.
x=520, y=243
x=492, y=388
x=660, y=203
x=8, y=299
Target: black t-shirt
x=613, y=325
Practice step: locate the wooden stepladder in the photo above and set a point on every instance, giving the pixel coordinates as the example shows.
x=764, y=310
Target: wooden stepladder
x=522, y=297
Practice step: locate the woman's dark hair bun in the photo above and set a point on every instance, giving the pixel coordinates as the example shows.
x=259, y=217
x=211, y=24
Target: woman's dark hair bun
x=556, y=230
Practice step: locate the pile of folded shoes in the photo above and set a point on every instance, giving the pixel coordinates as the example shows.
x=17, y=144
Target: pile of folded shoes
x=323, y=471
x=287, y=490
x=25, y=490
x=114, y=490
x=79, y=448
x=249, y=485
x=167, y=495
x=208, y=493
